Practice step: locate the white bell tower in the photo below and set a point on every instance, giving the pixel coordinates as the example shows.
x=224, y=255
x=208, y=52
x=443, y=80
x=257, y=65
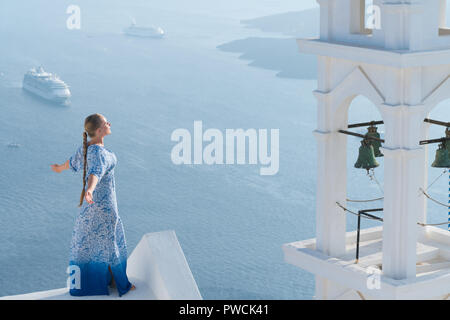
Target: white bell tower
x=398, y=56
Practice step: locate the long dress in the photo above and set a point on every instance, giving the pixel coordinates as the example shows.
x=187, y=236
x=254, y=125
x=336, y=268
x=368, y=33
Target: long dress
x=98, y=239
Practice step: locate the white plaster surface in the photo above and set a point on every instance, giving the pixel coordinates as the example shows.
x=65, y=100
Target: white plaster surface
x=157, y=267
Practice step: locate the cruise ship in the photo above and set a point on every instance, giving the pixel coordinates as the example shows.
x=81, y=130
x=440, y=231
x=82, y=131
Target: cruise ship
x=46, y=85
x=147, y=32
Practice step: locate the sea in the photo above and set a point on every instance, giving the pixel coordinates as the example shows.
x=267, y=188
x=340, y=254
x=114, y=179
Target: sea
x=230, y=64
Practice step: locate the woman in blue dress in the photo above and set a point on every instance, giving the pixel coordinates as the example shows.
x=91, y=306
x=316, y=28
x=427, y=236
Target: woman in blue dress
x=98, y=252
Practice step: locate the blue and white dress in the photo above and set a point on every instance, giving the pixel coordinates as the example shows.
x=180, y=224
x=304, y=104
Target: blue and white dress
x=98, y=239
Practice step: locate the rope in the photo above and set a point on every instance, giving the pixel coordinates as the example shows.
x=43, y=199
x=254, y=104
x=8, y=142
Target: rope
x=429, y=197
x=373, y=178
x=356, y=214
x=381, y=219
x=360, y=295
x=371, y=200
x=436, y=179
x=438, y=202
x=431, y=224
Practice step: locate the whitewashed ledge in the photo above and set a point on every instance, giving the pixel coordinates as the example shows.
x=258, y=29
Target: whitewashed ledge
x=157, y=267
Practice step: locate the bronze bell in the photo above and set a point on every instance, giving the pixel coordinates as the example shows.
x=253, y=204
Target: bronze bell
x=442, y=159
x=366, y=158
x=372, y=132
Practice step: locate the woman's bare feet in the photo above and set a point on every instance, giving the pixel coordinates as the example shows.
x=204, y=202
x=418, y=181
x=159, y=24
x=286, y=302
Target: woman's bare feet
x=112, y=284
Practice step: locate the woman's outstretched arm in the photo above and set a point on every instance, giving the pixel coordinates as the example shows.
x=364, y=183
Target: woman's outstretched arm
x=60, y=167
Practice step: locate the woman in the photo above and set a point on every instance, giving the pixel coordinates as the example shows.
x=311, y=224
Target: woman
x=98, y=249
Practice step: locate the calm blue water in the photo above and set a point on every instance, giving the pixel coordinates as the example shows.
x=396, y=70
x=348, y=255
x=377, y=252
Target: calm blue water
x=230, y=221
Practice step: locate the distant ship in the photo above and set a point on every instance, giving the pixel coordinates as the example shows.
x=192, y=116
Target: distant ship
x=46, y=85
x=147, y=32
x=13, y=145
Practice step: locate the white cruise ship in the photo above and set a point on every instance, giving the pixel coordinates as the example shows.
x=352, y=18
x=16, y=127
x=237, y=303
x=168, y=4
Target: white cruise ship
x=46, y=85
x=147, y=32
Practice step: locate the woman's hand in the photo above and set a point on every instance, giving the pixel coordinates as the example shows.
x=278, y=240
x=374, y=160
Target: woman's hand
x=92, y=182
x=56, y=168
x=60, y=167
x=88, y=196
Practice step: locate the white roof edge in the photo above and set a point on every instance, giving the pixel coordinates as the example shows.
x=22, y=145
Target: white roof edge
x=157, y=266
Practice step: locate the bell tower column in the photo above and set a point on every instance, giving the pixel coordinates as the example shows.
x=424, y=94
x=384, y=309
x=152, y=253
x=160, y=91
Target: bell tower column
x=331, y=178
x=404, y=174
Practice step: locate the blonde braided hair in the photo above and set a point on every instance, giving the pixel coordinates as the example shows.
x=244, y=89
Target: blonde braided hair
x=91, y=124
